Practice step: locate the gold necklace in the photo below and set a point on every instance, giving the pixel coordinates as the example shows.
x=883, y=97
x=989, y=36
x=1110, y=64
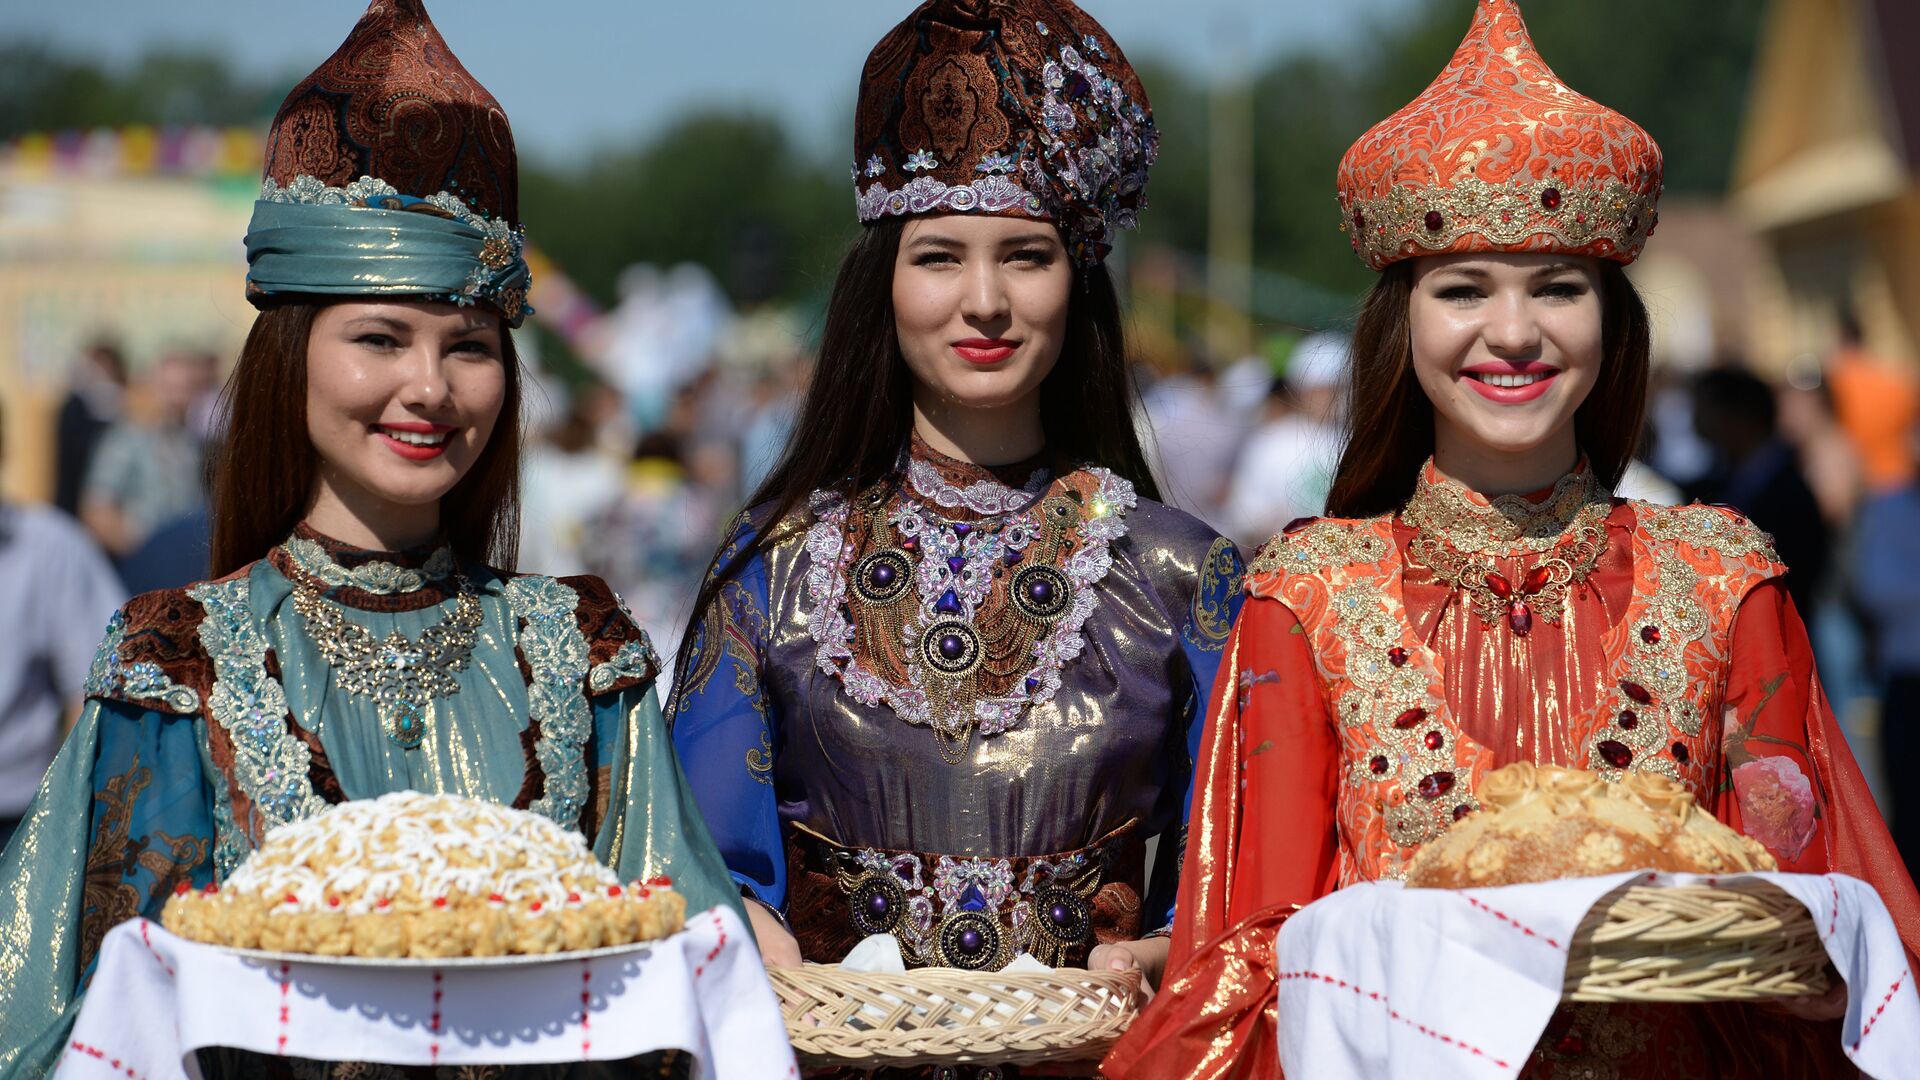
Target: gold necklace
x=1457, y=538
x=402, y=676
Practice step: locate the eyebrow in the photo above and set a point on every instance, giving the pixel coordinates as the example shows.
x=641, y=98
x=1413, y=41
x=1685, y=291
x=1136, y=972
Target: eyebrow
x=1481, y=273
x=363, y=323
x=941, y=240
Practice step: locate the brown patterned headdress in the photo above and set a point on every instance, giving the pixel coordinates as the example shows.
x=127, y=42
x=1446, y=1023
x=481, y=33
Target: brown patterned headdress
x=1499, y=155
x=1013, y=107
x=391, y=172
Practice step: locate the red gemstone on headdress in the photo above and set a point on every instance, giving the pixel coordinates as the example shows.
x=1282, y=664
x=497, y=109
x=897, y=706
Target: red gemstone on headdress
x=1378, y=764
x=1635, y=691
x=292, y=899
x=613, y=890
x=1359, y=220
x=1501, y=587
x=1520, y=619
x=1435, y=221
x=439, y=901
x=1435, y=740
x=496, y=898
x=1650, y=635
x=1397, y=656
x=1629, y=719
x=333, y=901
x=1536, y=579
x=1615, y=753
x=211, y=888
x=182, y=888
x=660, y=881
x=1434, y=785
x=1409, y=718
x=573, y=898
x=1550, y=198
x=1681, y=753
x=535, y=906
x=1462, y=811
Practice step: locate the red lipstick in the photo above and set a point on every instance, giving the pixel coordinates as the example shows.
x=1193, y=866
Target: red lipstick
x=984, y=351
x=416, y=449
x=1510, y=384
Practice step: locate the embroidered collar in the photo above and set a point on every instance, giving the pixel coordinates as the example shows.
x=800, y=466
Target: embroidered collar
x=957, y=622
x=964, y=489
x=335, y=566
x=1504, y=526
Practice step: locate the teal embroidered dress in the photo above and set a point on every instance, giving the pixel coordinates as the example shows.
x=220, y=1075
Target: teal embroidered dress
x=213, y=715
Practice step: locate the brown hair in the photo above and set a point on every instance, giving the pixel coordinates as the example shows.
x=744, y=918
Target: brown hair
x=1390, y=433
x=266, y=467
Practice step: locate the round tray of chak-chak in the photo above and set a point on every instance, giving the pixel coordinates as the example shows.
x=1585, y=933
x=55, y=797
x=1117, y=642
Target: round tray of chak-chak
x=416, y=880
x=1733, y=941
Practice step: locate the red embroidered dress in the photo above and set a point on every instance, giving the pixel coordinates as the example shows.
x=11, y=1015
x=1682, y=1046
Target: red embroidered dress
x=1367, y=696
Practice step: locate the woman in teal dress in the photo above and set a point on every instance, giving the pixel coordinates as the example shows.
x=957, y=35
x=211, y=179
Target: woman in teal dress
x=358, y=637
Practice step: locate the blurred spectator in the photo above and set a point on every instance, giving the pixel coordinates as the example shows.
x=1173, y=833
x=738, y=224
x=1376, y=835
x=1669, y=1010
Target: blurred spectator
x=1287, y=464
x=1887, y=588
x=1876, y=403
x=776, y=397
x=1758, y=473
x=92, y=407
x=653, y=542
x=567, y=481
x=56, y=593
x=203, y=415
x=146, y=471
x=179, y=551
x=1195, y=438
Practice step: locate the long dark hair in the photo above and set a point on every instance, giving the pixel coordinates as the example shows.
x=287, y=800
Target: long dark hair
x=859, y=407
x=1391, y=430
x=266, y=466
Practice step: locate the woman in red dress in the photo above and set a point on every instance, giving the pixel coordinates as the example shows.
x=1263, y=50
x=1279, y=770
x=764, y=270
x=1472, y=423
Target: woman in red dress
x=1480, y=598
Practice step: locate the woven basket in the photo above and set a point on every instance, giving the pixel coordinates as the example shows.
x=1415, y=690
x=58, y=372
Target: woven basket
x=1695, y=943
x=944, y=1016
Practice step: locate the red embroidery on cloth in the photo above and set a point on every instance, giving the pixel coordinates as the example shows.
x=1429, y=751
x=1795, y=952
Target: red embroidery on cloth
x=1374, y=995
x=101, y=1055
x=148, y=942
x=286, y=987
x=717, y=946
x=1867, y=1028
x=1511, y=921
x=433, y=1025
x=1833, y=920
x=586, y=1009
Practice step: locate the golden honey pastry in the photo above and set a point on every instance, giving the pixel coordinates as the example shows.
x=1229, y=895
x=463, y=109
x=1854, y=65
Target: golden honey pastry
x=1542, y=823
x=425, y=876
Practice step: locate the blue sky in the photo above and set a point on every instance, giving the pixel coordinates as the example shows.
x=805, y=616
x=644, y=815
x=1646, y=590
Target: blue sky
x=574, y=74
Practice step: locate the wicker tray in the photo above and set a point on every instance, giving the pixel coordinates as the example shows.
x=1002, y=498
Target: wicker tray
x=1695, y=943
x=944, y=1016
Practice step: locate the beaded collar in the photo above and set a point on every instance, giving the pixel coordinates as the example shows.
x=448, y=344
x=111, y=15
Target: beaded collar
x=1505, y=526
x=372, y=580
x=956, y=598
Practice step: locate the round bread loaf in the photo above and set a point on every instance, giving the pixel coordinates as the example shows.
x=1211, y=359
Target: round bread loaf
x=1542, y=823
x=426, y=876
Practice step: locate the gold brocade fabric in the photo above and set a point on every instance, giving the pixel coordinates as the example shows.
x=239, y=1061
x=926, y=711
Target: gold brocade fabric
x=1518, y=695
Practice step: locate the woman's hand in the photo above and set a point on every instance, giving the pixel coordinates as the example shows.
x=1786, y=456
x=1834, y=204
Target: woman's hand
x=778, y=948
x=1148, y=956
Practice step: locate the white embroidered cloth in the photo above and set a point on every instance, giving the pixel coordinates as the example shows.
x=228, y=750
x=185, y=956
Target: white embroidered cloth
x=156, y=998
x=1378, y=980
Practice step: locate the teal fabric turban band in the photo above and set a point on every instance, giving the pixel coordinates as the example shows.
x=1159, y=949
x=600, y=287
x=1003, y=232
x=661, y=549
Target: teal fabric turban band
x=368, y=240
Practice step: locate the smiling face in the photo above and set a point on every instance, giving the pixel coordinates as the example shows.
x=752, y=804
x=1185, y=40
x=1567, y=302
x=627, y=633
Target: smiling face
x=1506, y=347
x=980, y=306
x=401, y=400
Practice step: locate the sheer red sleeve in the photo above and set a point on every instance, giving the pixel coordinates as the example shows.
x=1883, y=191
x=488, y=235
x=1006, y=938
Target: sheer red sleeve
x=1789, y=780
x=1260, y=844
